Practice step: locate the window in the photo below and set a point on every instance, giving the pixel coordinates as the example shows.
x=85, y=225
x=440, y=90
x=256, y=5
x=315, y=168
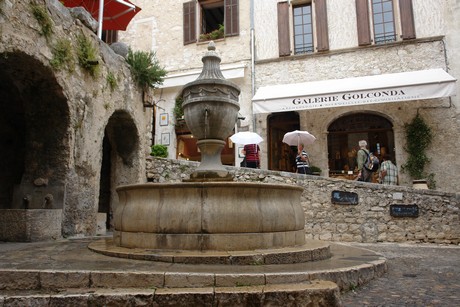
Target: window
x=385, y=22
x=110, y=36
x=309, y=24
x=303, y=29
x=216, y=18
x=384, y=26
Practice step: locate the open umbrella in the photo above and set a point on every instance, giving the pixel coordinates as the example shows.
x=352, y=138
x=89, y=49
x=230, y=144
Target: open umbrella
x=246, y=137
x=110, y=14
x=294, y=138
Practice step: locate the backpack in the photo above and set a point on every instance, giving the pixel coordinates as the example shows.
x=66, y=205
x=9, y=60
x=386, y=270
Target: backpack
x=372, y=162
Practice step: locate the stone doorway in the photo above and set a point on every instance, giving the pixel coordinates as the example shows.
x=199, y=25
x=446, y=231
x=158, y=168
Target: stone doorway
x=281, y=157
x=119, y=149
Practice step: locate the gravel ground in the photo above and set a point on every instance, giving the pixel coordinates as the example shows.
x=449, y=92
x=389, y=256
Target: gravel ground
x=418, y=275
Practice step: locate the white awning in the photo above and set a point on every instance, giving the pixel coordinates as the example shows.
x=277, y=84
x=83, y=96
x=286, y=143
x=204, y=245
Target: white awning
x=230, y=71
x=414, y=85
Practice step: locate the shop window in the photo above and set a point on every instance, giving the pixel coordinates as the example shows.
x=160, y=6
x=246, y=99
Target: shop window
x=217, y=18
x=385, y=24
x=308, y=36
x=344, y=135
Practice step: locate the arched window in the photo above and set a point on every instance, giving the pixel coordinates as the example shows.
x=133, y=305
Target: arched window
x=347, y=131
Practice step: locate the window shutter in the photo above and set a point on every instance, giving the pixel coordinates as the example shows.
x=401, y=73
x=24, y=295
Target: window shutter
x=189, y=22
x=284, y=46
x=362, y=19
x=231, y=18
x=322, y=37
x=407, y=19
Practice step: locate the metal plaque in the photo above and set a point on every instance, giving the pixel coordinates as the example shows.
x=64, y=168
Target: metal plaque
x=344, y=198
x=404, y=210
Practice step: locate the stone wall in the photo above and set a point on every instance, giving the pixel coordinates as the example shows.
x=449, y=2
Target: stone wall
x=368, y=221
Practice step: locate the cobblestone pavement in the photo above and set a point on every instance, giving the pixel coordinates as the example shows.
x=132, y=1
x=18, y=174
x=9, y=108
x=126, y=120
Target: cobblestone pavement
x=418, y=275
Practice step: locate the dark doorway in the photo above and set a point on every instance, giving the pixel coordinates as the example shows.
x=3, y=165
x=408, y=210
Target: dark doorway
x=347, y=131
x=105, y=186
x=281, y=157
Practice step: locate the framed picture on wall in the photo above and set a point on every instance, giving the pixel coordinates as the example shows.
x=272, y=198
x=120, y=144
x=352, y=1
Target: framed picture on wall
x=165, y=138
x=164, y=118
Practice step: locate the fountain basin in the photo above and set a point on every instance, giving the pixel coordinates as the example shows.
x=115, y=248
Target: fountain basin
x=199, y=216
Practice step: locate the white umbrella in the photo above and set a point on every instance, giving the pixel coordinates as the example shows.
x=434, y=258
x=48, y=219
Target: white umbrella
x=246, y=137
x=294, y=138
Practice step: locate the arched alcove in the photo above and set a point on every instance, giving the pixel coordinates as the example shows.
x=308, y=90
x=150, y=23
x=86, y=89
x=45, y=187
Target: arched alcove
x=344, y=134
x=119, y=149
x=34, y=121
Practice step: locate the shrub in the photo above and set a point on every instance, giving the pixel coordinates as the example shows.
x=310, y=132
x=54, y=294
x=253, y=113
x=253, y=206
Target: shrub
x=62, y=55
x=87, y=55
x=145, y=68
x=159, y=151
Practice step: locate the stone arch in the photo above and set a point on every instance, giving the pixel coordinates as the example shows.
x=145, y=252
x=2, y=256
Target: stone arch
x=344, y=133
x=34, y=121
x=120, y=145
x=280, y=156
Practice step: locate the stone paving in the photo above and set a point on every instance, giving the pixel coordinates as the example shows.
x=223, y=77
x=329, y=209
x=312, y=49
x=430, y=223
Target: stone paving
x=418, y=275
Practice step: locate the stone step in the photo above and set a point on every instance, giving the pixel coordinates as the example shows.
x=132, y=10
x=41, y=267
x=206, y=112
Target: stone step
x=314, y=293
x=312, y=250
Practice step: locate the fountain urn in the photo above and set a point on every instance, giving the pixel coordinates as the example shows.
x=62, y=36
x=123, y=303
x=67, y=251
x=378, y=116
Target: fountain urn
x=211, y=110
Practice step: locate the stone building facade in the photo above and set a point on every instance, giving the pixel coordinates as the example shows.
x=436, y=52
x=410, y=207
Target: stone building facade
x=67, y=138
x=261, y=55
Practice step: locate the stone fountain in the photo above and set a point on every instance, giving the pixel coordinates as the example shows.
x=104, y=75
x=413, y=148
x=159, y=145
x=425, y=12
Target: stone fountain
x=218, y=234
x=209, y=211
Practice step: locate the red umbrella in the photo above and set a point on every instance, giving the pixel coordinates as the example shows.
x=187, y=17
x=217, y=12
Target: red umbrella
x=116, y=13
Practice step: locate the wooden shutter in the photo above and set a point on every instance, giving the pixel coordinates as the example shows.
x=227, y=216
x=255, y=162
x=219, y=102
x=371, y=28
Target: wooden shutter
x=322, y=37
x=231, y=18
x=189, y=22
x=362, y=20
x=284, y=45
x=407, y=19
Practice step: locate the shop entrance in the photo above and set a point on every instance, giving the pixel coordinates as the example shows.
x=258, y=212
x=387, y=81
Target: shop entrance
x=281, y=157
x=344, y=135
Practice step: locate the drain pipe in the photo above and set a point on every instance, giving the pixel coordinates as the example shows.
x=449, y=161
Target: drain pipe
x=252, y=65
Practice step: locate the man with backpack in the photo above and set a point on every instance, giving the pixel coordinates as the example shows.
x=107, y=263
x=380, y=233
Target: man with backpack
x=364, y=174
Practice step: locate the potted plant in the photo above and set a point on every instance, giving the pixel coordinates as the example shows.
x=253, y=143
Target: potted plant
x=418, y=138
x=213, y=35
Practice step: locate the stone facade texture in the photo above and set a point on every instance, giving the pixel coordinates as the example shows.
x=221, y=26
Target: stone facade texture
x=58, y=122
x=368, y=221
x=256, y=47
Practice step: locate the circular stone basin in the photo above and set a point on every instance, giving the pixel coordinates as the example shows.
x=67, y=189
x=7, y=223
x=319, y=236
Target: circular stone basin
x=228, y=216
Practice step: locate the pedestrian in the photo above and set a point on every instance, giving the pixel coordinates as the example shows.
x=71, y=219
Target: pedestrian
x=251, y=153
x=388, y=171
x=302, y=161
x=362, y=154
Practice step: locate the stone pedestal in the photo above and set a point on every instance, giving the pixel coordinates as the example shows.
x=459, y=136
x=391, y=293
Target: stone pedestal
x=30, y=225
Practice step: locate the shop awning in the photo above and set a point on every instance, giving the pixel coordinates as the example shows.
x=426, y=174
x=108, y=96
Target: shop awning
x=414, y=85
